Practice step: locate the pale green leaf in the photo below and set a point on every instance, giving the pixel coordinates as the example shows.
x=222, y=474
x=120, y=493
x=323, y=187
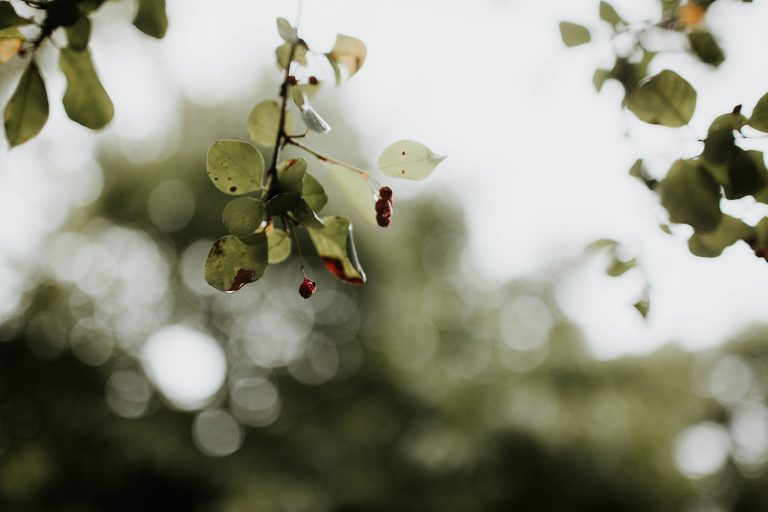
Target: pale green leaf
x=355, y=189
x=609, y=14
x=235, y=167
x=335, y=245
x=264, y=121
x=286, y=31
x=244, y=215
x=283, y=53
x=409, y=160
x=151, y=18
x=85, y=100
x=234, y=262
x=279, y=246
x=313, y=193
x=666, y=99
x=27, y=110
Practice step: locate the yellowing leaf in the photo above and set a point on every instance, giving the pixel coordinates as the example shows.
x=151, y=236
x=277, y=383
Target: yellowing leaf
x=408, y=159
x=336, y=246
x=349, y=51
x=355, y=189
x=11, y=40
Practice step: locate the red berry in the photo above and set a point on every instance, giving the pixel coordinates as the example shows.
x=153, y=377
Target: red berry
x=382, y=221
x=292, y=80
x=307, y=288
x=313, y=80
x=385, y=193
x=383, y=205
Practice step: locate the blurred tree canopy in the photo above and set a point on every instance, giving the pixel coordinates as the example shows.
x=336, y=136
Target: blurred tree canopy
x=423, y=391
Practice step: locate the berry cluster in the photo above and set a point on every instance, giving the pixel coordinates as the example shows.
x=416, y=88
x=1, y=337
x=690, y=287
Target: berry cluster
x=384, y=207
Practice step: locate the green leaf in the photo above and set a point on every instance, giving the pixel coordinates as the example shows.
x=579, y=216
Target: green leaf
x=279, y=246
x=599, y=78
x=691, y=196
x=9, y=18
x=573, y=34
x=27, y=110
x=234, y=262
x=244, y=215
x=638, y=171
x=719, y=146
x=712, y=243
x=305, y=216
x=355, y=189
x=313, y=193
x=79, y=34
x=619, y=267
x=280, y=204
x=283, y=53
x=264, y=121
x=759, y=119
x=11, y=41
x=609, y=14
x=409, y=160
x=286, y=31
x=746, y=174
x=665, y=99
x=85, y=101
x=706, y=48
x=733, y=121
x=335, y=245
x=151, y=18
x=290, y=176
x=642, y=307
x=235, y=167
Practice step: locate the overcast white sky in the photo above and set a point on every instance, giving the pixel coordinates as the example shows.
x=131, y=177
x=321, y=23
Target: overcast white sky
x=539, y=158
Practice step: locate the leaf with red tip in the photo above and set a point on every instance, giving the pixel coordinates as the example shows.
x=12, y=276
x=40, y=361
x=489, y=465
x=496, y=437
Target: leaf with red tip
x=335, y=245
x=236, y=261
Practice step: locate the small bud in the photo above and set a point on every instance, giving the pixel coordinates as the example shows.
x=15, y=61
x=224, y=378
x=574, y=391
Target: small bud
x=313, y=80
x=292, y=80
x=385, y=193
x=307, y=288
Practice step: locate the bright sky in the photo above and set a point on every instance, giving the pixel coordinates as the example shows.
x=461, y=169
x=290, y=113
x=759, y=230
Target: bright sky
x=538, y=158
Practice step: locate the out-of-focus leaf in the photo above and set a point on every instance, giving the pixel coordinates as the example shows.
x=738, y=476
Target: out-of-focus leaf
x=286, y=31
x=349, y=51
x=235, y=167
x=244, y=215
x=11, y=41
x=642, y=306
x=306, y=216
x=85, y=100
x=264, y=121
x=234, y=261
x=599, y=78
x=759, y=119
x=719, y=146
x=283, y=53
x=574, y=34
x=666, y=99
x=151, y=18
x=355, y=189
x=609, y=14
x=706, y=48
x=335, y=245
x=312, y=119
x=27, y=111
x=638, y=171
x=746, y=174
x=279, y=244
x=691, y=196
x=290, y=176
x=619, y=267
x=712, y=243
x=408, y=159
x=79, y=34
x=9, y=18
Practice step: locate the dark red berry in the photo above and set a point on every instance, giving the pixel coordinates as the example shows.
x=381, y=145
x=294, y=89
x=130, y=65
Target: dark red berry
x=382, y=221
x=307, y=288
x=292, y=80
x=313, y=80
x=22, y=52
x=385, y=193
x=382, y=205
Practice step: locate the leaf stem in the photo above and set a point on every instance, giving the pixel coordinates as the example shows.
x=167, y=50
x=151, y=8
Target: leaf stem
x=289, y=227
x=326, y=158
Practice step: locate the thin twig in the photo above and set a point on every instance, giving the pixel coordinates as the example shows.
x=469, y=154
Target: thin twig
x=289, y=227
